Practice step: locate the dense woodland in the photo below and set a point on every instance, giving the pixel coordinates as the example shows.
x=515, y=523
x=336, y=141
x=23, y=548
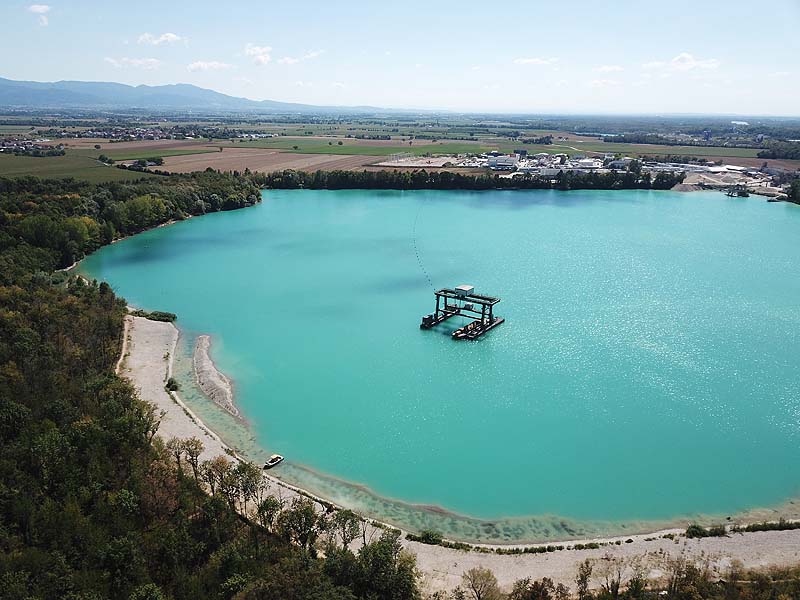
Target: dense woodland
x=94, y=505
x=447, y=180
x=788, y=150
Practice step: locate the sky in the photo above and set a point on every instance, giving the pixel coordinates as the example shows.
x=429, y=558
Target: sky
x=716, y=56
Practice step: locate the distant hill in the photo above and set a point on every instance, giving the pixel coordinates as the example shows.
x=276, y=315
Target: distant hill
x=90, y=94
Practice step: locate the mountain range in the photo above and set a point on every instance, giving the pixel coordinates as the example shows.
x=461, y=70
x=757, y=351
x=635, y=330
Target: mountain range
x=106, y=95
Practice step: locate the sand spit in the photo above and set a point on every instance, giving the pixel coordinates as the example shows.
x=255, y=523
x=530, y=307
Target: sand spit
x=147, y=356
x=213, y=383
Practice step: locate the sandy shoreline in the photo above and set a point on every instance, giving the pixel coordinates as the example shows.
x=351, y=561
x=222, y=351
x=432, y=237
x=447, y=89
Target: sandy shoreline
x=147, y=357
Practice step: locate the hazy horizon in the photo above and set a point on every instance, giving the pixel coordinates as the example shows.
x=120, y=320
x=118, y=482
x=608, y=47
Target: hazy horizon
x=728, y=58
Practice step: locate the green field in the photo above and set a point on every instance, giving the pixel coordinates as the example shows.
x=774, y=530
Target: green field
x=350, y=146
x=14, y=129
x=133, y=154
x=79, y=167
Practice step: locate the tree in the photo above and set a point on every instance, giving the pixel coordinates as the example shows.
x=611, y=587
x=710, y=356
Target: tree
x=611, y=570
x=583, y=578
x=249, y=478
x=298, y=524
x=193, y=448
x=526, y=589
x=794, y=191
x=347, y=525
x=481, y=584
x=148, y=591
x=213, y=471
x=177, y=447
x=385, y=570
x=267, y=510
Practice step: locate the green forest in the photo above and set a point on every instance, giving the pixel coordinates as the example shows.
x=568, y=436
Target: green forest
x=94, y=505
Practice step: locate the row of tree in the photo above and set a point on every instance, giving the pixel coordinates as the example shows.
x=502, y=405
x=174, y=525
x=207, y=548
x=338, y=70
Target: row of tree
x=447, y=180
x=622, y=578
x=781, y=149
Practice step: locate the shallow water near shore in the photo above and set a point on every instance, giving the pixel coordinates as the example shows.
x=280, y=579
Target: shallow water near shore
x=647, y=369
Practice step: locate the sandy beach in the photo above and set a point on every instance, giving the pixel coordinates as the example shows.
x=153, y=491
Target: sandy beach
x=147, y=357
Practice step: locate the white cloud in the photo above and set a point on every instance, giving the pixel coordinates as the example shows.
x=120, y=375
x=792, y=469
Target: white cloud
x=338, y=84
x=291, y=60
x=41, y=10
x=561, y=83
x=148, y=64
x=602, y=83
x=608, y=69
x=259, y=54
x=535, y=61
x=682, y=63
x=157, y=40
x=212, y=65
x=303, y=84
x=778, y=74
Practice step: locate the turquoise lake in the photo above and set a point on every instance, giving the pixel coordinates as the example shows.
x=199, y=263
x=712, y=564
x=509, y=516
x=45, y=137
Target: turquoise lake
x=648, y=368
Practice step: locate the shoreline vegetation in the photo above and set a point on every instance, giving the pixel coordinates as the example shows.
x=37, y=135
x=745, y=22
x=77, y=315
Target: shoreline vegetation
x=448, y=180
x=96, y=504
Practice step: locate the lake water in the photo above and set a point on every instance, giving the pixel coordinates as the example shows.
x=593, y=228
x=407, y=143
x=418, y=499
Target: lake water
x=648, y=367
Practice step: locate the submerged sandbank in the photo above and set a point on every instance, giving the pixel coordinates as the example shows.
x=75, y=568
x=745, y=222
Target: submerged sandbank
x=147, y=359
x=214, y=384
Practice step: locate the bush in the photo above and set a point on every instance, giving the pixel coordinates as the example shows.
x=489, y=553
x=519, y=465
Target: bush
x=172, y=385
x=426, y=536
x=156, y=315
x=696, y=531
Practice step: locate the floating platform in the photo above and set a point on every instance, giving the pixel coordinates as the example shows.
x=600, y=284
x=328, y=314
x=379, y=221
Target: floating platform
x=475, y=329
x=463, y=301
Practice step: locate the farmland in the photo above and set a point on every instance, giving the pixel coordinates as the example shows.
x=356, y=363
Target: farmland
x=264, y=160
x=321, y=143
x=79, y=167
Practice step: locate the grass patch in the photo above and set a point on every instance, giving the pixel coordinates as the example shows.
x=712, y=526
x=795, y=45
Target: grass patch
x=70, y=165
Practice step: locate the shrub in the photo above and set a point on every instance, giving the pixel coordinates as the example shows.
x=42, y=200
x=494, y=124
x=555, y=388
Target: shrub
x=156, y=315
x=426, y=536
x=696, y=531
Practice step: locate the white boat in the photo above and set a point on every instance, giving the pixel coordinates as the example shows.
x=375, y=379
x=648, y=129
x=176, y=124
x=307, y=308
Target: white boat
x=272, y=461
